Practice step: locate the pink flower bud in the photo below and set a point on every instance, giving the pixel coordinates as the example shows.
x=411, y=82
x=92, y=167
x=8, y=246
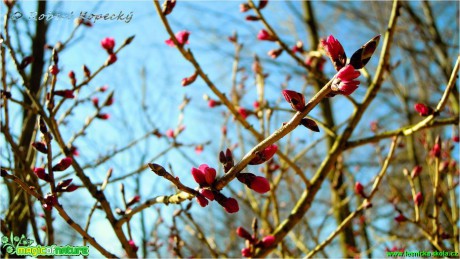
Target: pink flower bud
x=374, y=126
x=268, y=241
x=298, y=47
x=199, y=149
x=231, y=205
x=188, y=80
x=212, y=103
x=260, y=184
x=265, y=35
x=108, y=44
x=49, y=201
x=264, y=155
x=86, y=71
x=170, y=133
x=202, y=201
x=41, y=174
x=199, y=177
x=65, y=93
x=243, y=112
x=335, y=51
x=416, y=171
x=359, y=189
x=297, y=100
x=103, y=116
x=256, y=105
x=182, y=38
x=400, y=218
x=111, y=59
x=243, y=233
x=104, y=88
x=26, y=61
x=133, y=245
x=54, y=70
x=252, y=18
x=423, y=110
x=246, y=252
x=95, y=101
x=168, y=6
x=210, y=175
x=436, y=150
x=207, y=193
x=40, y=147
x=274, y=53
x=262, y=4
x=418, y=199
x=309, y=124
x=63, y=164
x=244, y=7
x=344, y=82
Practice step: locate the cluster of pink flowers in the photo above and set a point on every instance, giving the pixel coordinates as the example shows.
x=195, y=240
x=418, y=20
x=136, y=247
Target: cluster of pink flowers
x=64, y=186
x=205, y=177
x=253, y=242
x=345, y=83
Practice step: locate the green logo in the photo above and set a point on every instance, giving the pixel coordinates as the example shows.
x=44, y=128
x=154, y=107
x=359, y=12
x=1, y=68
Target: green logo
x=24, y=246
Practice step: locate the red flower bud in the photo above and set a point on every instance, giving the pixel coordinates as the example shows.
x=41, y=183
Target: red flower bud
x=54, y=70
x=268, y=241
x=264, y=155
x=26, y=61
x=108, y=44
x=297, y=100
x=111, y=59
x=400, y=218
x=416, y=171
x=86, y=71
x=243, y=233
x=202, y=201
x=133, y=200
x=262, y=3
x=265, y=35
x=309, y=124
x=260, y=184
x=103, y=116
x=65, y=93
x=40, y=147
x=199, y=149
x=455, y=138
x=244, y=7
x=418, y=199
x=344, y=82
x=335, y=51
x=246, y=252
x=95, y=101
x=182, y=38
x=274, y=53
x=133, y=245
x=188, y=80
x=209, y=174
x=207, y=193
x=436, y=150
x=198, y=175
x=63, y=164
x=104, y=88
x=231, y=205
x=168, y=6
x=41, y=174
x=256, y=105
x=243, y=112
x=252, y=18
x=423, y=110
x=298, y=47
x=359, y=189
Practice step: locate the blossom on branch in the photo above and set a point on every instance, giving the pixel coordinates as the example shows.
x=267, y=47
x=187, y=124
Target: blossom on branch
x=335, y=52
x=182, y=38
x=344, y=82
x=265, y=35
